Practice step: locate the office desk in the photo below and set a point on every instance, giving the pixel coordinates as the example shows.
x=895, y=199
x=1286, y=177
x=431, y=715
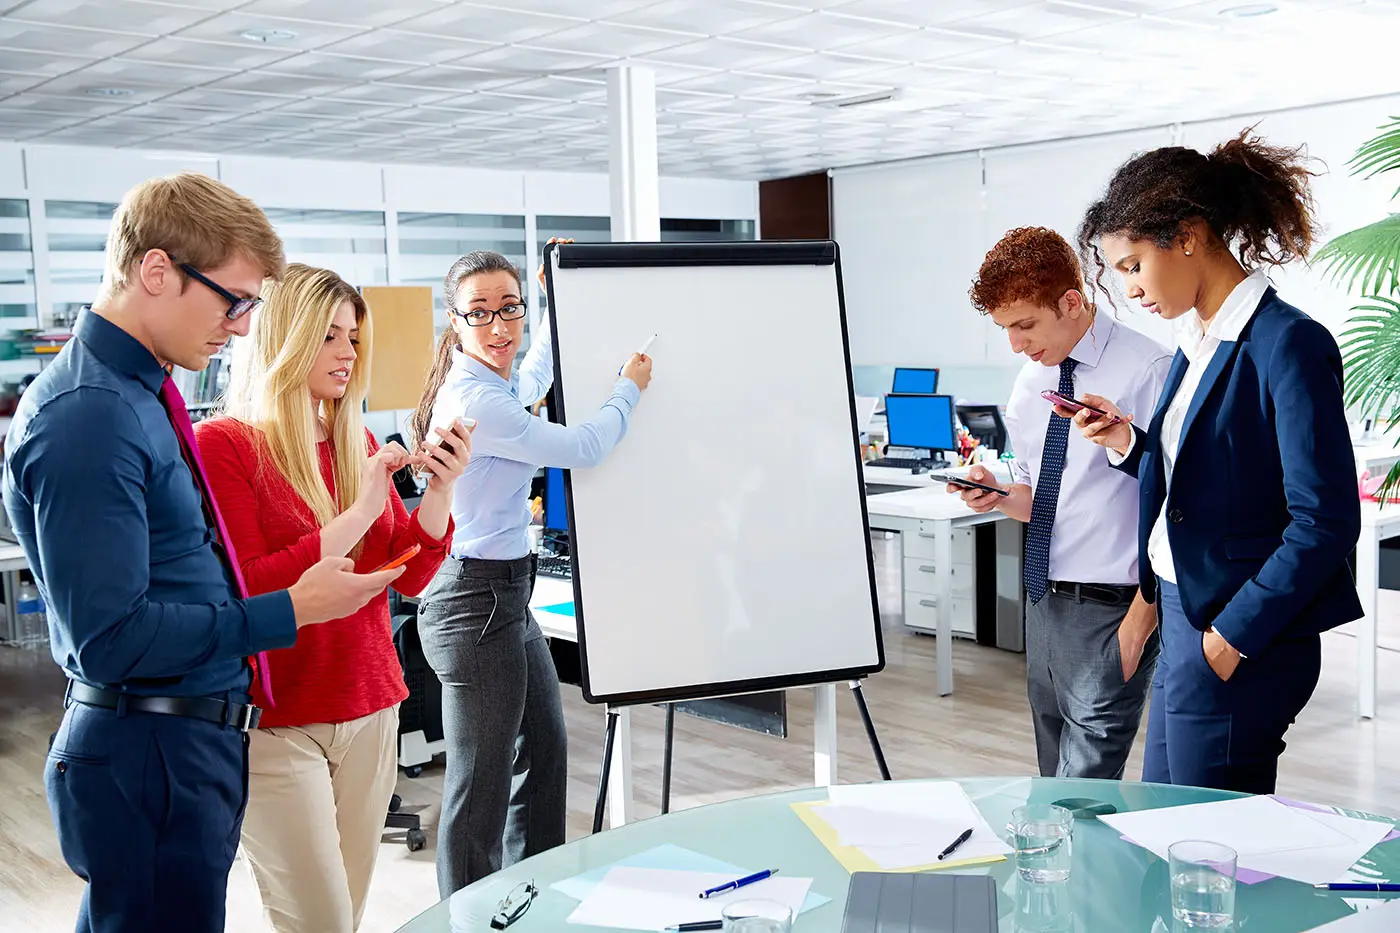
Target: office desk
x=552, y=591
x=1114, y=886
x=885, y=479
x=934, y=584
x=1377, y=524
x=12, y=561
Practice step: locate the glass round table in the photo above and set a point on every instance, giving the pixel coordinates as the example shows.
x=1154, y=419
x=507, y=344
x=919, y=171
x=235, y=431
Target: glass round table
x=1114, y=886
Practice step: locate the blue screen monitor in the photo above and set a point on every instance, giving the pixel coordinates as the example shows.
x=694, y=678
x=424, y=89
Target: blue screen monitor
x=920, y=421
x=556, y=507
x=915, y=381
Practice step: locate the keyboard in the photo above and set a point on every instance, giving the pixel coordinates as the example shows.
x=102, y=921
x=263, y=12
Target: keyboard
x=556, y=565
x=906, y=463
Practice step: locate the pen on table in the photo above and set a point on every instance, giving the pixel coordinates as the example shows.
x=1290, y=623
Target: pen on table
x=1375, y=887
x=746, y=880
x=966, y=835
x=697, y=926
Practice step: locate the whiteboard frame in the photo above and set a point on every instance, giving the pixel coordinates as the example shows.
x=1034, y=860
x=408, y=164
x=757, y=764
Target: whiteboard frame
x=737, y=253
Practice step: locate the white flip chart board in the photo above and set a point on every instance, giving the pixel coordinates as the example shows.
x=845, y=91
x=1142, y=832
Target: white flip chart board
x=722, y=548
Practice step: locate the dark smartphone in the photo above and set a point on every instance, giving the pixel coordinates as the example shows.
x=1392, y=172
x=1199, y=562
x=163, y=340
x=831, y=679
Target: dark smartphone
x=966, y=483
x=1075, y=405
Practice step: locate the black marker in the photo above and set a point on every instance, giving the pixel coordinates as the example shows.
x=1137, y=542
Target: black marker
x=967, y=834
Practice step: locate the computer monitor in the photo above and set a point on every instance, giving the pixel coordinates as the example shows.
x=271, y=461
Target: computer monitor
x=920, y=421
x=915, y=381
x=556, y=506
x=985, y=423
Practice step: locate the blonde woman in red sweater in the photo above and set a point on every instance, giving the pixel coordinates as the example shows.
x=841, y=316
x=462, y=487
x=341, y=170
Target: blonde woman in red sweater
x=298, y=479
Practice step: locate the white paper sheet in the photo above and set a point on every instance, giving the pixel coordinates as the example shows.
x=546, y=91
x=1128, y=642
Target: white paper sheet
x=904, y=825
x=1314, y=848
x=653, y=899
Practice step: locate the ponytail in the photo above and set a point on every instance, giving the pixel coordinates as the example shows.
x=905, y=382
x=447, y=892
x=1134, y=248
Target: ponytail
x=421, y=421
x=1254, y=197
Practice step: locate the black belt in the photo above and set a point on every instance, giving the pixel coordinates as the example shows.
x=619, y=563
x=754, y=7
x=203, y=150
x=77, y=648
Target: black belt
x=1094, y=592
x=242, y=716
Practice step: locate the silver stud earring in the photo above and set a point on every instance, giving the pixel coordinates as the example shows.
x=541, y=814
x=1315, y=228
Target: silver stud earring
x=1188, y=252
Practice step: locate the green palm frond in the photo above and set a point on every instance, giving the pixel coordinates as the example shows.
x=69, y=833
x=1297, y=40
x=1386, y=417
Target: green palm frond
x=1366, y=259
x=1371, y=350
x=1380, y=154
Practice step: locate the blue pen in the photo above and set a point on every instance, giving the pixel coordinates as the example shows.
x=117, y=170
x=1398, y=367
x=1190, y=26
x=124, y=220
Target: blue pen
x=1374, y=887
x=746, y=880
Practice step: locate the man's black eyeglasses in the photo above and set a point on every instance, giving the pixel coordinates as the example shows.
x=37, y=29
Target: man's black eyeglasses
x=515, y=904
x=480, y=317
x=237, y=305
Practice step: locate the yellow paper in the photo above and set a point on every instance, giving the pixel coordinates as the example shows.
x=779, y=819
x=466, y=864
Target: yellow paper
x=853, y=859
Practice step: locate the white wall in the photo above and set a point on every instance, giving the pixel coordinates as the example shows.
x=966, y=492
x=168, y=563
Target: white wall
x=913, y=234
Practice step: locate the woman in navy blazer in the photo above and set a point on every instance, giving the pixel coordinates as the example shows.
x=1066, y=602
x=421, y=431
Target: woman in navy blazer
x=1248, y=505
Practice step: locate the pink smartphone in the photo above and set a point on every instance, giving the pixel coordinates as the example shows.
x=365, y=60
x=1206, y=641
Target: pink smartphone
x=1074, y=405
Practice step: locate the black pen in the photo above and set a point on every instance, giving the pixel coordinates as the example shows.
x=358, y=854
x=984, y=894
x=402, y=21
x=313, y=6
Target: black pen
x=967, y=834
x=697, y=926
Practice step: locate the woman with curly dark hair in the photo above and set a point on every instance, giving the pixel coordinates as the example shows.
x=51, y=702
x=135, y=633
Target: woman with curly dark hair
x=1247, y=487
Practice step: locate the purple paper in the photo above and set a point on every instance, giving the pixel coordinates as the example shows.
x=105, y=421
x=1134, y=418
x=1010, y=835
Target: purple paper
x=1249, y=875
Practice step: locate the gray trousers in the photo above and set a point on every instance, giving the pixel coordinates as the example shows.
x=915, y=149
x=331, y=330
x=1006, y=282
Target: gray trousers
x=503, y=797
x=1085, y=716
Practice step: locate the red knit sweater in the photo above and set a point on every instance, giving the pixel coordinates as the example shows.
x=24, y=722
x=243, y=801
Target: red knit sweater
x=340, y=670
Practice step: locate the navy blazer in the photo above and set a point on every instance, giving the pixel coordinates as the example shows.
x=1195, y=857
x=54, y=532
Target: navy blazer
x=1263, y=509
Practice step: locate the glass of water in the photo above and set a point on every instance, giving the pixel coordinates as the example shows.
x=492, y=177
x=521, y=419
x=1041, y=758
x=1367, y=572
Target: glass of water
x=1203, y=883
x=756, y=916
x=1042, y=835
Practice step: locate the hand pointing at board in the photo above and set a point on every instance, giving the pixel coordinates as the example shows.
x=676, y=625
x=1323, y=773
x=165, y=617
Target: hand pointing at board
x=638, y=369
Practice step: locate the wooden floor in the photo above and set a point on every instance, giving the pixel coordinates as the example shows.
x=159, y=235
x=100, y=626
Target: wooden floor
x=982, y=729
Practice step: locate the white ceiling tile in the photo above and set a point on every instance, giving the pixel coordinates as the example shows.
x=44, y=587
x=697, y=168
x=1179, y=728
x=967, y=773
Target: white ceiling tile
x=615, y=40
x=824, y=66
x=38, y=63
x=820, y=31
x=527, y=60
x=224, y=99
x=733, y=54
x=341, y=11
x=229, y=27
x=393, y=94
x=489, y=22
x=927, y=14
x=414, y=48
x=128, y=16
x=453, y=78
x=561, y=88
x=923, y=45
x=145, y=80
x=13, y=83
x=281, y=83
x=336, y=109
x=342, y=68
x=712, y=18
x=36, y=37
x=231, y=56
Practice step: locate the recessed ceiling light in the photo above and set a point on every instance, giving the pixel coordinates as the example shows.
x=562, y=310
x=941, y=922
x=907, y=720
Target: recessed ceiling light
x=1246, y=10
x=109, y=92
x=268, y=36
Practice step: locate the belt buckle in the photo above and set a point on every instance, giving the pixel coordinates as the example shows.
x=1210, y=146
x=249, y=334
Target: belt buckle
x=249, y=720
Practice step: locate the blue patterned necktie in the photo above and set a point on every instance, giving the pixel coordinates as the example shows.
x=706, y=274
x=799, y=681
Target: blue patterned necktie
x=1035, y=570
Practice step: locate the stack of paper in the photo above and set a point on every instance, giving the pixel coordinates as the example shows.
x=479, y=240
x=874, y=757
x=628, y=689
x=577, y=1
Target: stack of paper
x=654, y=899
x=1382, y=918
x=901, y=827
x=1271, y=838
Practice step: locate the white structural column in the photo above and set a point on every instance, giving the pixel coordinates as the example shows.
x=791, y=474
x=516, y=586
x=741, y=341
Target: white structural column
x=636, y=198
x=636, y=216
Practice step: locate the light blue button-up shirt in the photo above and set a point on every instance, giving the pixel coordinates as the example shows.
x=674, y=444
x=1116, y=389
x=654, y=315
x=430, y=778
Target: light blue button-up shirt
x=489, y=505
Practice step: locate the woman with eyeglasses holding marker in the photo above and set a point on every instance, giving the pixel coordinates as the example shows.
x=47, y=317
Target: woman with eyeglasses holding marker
x=507, y=764
x=1248, y=505
x=300, y=479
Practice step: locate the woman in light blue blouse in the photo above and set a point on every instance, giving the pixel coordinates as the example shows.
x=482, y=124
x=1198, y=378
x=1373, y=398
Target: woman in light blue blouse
x=504, y=794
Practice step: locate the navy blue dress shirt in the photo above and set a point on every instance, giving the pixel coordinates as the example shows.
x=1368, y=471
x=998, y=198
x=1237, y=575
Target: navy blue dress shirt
x=112, y=523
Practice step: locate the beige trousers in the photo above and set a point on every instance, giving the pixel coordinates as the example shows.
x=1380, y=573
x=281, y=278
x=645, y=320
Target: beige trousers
x=317, y=797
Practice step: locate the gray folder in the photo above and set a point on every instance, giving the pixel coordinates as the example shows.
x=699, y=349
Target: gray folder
x=886, y=902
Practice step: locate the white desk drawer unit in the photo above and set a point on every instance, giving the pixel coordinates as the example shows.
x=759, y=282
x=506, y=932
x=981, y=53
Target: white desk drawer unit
x=920, y=574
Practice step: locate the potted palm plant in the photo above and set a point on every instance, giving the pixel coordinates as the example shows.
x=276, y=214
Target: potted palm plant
x=1367, y=261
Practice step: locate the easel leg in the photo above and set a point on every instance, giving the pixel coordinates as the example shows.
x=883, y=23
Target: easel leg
x=620, y=805
x=824, y=734
x=666, y=758
x=870, y=729
x=607, y=768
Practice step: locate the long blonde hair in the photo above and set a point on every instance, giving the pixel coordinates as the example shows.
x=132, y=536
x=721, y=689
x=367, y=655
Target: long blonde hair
x=268, y=389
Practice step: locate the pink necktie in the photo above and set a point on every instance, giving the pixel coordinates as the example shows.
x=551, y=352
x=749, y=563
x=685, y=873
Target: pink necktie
x=174, y=404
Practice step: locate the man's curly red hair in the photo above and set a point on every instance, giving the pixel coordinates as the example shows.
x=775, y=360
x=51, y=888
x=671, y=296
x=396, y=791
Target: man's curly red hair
x=1032, y=264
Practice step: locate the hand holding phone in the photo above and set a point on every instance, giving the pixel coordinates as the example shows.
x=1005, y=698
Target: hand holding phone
x=963, y=482
x=399, y=561
x=1076, y=406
